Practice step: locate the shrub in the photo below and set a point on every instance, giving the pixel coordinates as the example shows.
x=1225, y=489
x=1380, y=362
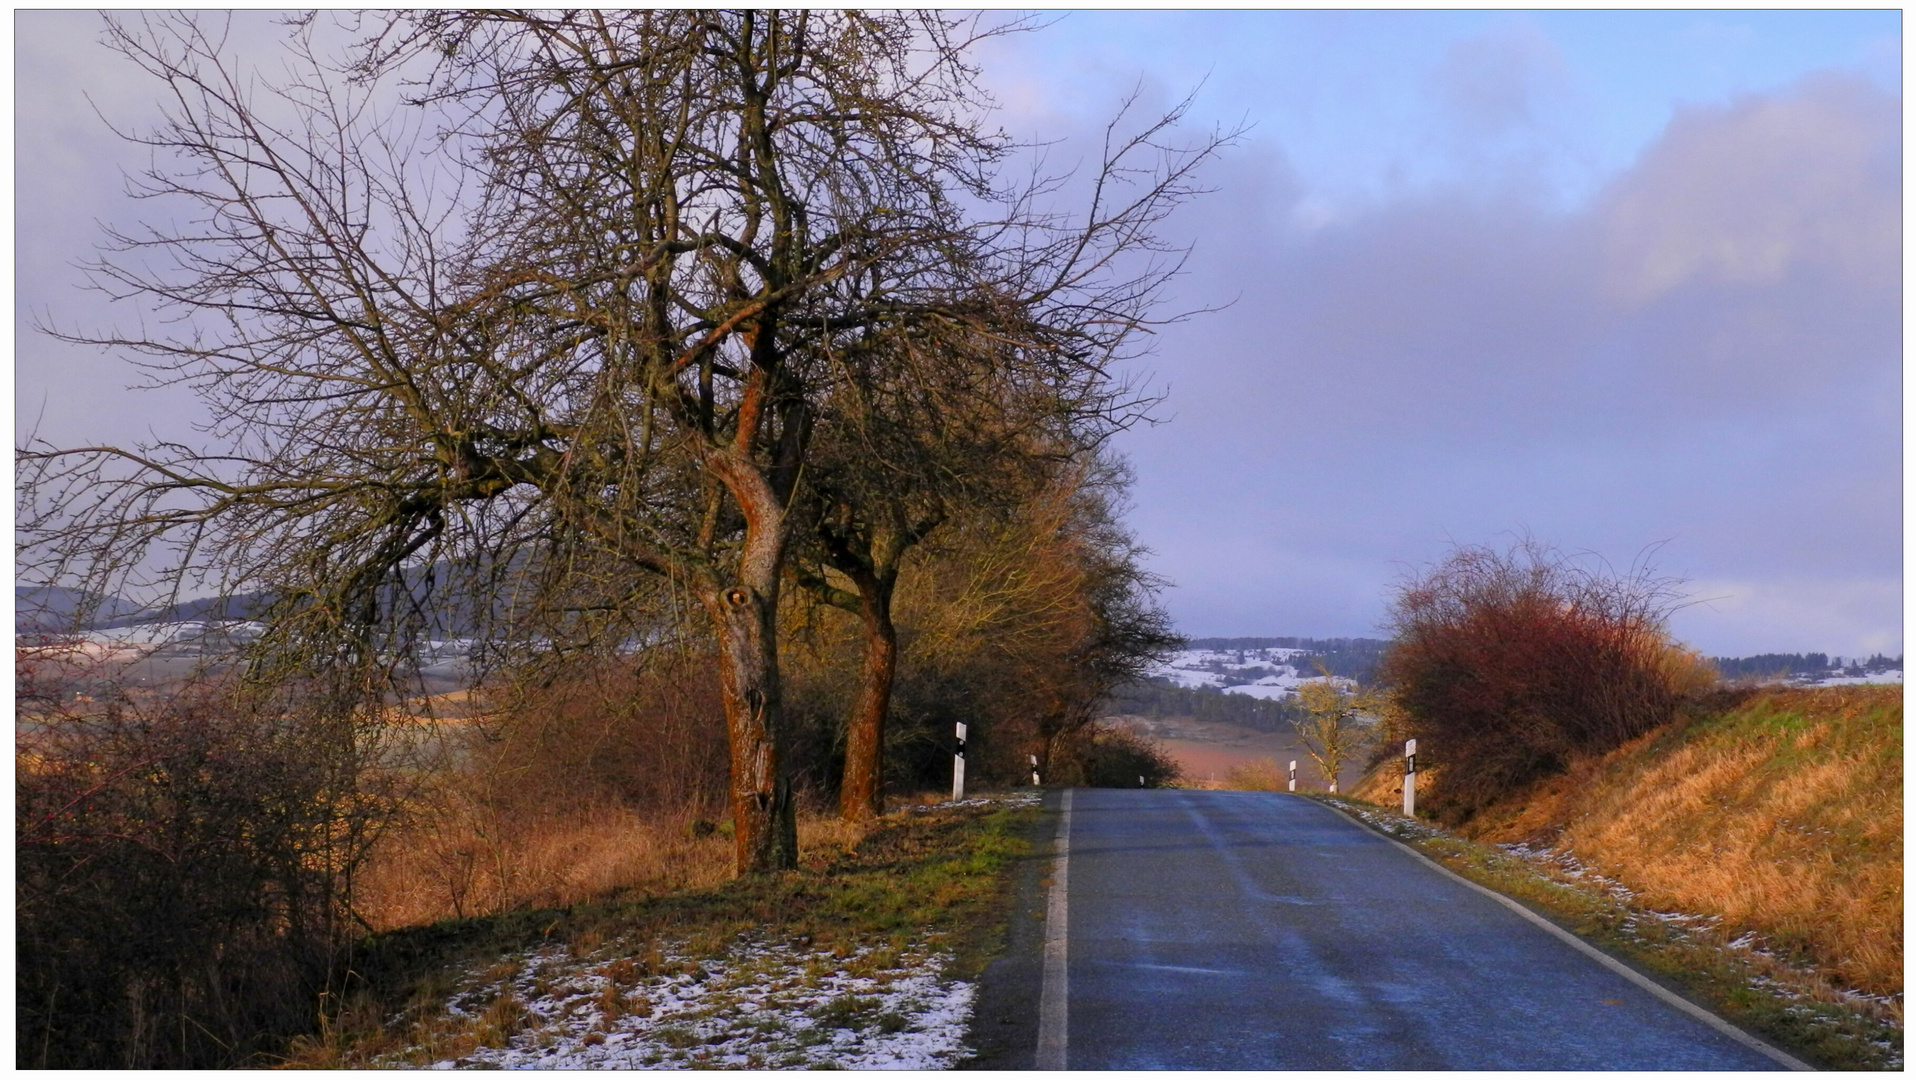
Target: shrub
x=1508, y=664
x=649, y=734
x=1261, y=774
x=581, y=777
x=1104, y=756
x=179, y=876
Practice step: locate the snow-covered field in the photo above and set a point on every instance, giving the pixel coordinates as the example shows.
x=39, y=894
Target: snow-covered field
x=1271, y=674
x=445, y=658
x=1868, y=678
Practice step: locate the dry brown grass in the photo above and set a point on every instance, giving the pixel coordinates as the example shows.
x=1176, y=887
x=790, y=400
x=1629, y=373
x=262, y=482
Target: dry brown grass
x=1260, y=774
x=455, y=860
x=1783, y=815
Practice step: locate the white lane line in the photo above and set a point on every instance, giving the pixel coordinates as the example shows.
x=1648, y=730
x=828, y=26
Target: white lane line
x=1054, y=1000
x=1692, y=1008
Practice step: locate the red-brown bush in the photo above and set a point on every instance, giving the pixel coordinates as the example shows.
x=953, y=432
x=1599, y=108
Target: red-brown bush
x=1507, y=664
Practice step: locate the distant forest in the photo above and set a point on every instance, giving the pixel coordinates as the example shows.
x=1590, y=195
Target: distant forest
x=1774, y=664
x=1157, y=699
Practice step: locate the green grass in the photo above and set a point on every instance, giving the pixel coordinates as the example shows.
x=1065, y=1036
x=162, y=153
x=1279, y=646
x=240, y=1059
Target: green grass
x=943, y=874
x=1830, y=1034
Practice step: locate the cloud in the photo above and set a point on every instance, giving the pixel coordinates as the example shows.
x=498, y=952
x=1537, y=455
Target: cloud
x=1503, y=79
x=1850, y=617
x=1770, y=188
x=1706, y=353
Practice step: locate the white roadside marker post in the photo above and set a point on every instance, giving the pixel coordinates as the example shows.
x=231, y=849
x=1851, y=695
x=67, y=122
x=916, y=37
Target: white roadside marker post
x=1293, y=776
x=1034, y=771
x=1410, y=778
x=958, y=768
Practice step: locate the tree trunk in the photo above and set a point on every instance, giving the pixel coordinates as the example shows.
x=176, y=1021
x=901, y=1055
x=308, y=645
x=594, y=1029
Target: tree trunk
x=764, y=816
x=861, y=796
x=764, y=813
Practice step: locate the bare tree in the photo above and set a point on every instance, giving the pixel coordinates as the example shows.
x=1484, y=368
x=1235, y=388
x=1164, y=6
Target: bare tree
x=1333, y=727
x=571, y=323
x=1048, y=605
x=777, y=197
x=952, y=425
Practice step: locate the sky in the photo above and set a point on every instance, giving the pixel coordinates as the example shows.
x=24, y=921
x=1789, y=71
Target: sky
x=1623, y=281
x=1627, y=282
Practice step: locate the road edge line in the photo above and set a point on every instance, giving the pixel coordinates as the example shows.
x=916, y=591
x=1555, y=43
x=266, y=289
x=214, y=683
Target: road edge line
x=1720, y=1025
x=1054, y=1014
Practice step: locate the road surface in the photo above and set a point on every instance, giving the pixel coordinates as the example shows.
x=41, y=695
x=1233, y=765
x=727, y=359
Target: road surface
x=1239, y=930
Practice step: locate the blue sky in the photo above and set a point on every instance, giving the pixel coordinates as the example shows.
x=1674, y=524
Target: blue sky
x=1616, y=278
x=1361, y=101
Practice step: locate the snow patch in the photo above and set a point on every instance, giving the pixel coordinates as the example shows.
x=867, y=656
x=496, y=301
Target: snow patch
x=762, y=1005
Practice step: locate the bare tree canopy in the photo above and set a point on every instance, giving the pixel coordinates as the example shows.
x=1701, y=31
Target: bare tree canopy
x=565, y=331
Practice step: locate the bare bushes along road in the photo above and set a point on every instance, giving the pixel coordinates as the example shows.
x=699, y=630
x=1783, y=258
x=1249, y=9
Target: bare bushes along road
x=1240, y=930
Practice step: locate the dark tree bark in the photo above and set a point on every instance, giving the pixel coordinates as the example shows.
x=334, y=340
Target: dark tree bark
x=763, y=812
x=861, y=795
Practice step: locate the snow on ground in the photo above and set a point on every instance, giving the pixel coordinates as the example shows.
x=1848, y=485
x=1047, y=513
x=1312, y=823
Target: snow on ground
x=763, y=1005
x=1270, y=674
x=1868, y=678
x=1564, y=864
x=1013, y=801
x=1268, y=691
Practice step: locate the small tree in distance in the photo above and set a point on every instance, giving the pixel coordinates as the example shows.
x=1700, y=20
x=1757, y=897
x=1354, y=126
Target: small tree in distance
x=1332, y=725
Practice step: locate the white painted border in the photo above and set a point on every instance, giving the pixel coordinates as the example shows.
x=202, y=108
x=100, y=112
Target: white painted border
x=1668, y=996
x=1054, y=1010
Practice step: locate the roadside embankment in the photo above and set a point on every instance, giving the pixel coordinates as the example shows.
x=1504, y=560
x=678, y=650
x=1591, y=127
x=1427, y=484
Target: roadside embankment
x=1767, y=823
x=866, y=957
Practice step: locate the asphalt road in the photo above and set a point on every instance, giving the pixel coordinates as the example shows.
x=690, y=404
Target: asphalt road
x=1236, y=930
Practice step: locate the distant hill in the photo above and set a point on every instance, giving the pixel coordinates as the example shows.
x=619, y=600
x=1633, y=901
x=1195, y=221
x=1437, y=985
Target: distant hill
x=1246, y=681
x=1159, y=700
x=1349, y=658
x=1250, y=681
x=51, y=609
x=206, y=609
x=47, y=609
x=1335, y=644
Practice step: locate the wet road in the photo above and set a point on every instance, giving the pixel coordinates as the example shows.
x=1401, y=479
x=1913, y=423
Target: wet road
x=1236, y=930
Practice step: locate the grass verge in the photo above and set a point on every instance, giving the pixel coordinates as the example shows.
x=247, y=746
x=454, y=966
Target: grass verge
x=1792, y=1009
x=1777, y=812
x=923, y=883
